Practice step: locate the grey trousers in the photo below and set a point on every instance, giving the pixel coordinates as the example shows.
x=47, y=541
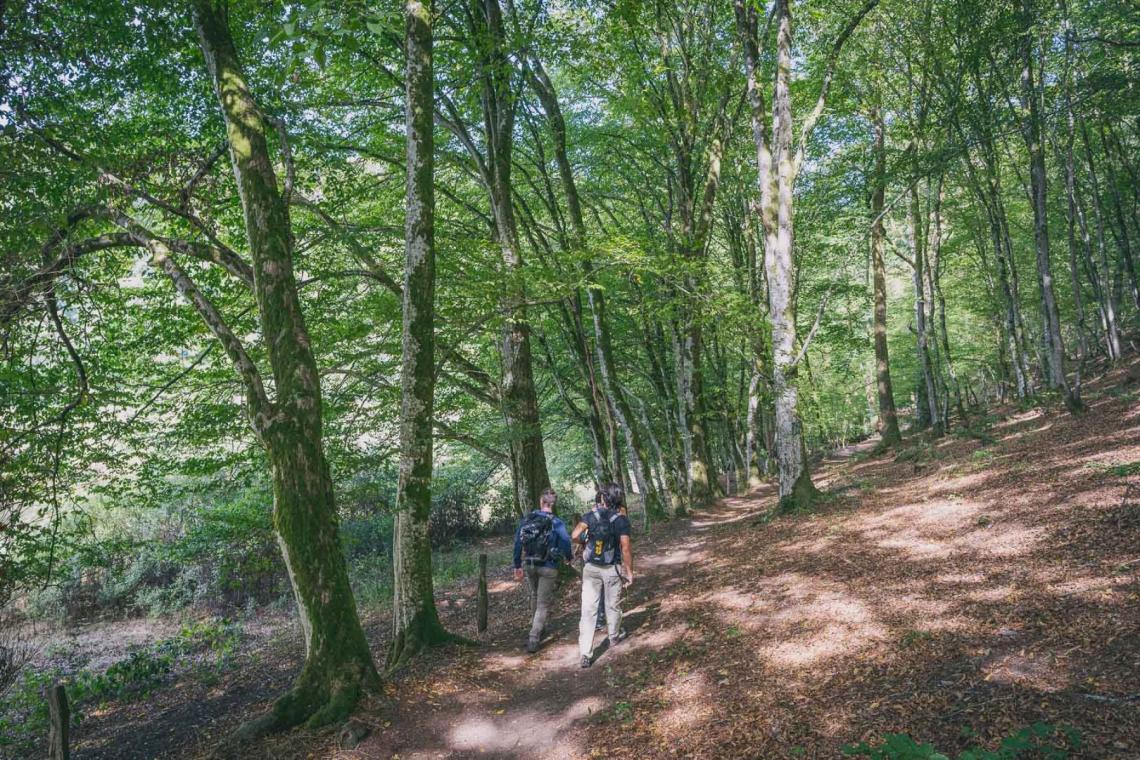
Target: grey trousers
x=599, y=583
x=542, y=582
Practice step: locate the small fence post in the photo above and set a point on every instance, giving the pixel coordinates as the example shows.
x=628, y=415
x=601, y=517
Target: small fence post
x=481, y=609
x=60, y=714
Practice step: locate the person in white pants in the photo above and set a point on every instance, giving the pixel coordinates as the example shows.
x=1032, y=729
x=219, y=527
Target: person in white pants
x=607, y=568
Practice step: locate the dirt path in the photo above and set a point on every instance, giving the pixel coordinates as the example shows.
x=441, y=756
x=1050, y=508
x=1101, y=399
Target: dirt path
x=510, y=704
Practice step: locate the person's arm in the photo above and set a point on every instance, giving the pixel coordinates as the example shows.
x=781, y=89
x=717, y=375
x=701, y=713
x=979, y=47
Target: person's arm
x=518, y=555
x=627, y=559
x=579, y=529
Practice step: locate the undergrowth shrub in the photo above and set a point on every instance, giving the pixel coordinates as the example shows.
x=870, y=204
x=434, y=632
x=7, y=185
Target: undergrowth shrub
x=206, y=648
x=1040, y=740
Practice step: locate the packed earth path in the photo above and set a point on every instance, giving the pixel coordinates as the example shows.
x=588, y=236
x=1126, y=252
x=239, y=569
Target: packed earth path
x=958, y=590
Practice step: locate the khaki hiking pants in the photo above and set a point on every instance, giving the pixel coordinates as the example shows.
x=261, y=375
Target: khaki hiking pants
x=599, y=582
x=542, y=582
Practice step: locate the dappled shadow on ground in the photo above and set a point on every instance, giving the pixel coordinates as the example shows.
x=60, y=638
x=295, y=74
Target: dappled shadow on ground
x=964, y=586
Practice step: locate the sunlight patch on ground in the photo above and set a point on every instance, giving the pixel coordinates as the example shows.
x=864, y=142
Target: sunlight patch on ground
x=676, y=557
x=810, y=620
x=692, y=705
x=1042, y=673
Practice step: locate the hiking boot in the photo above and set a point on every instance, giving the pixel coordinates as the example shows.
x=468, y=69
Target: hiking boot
x=622, y=635
x=586, y=661
x=531, y=646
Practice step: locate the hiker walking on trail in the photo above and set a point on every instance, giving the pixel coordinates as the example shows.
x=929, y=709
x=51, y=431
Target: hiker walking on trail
x=608, y=566
x=541, y=542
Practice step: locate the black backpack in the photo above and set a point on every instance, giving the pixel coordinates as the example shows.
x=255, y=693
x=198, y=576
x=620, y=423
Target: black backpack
x=602, y=539
x=537, y=536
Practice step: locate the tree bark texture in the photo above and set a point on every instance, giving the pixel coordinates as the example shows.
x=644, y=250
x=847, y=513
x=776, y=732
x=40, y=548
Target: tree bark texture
x=338, y=664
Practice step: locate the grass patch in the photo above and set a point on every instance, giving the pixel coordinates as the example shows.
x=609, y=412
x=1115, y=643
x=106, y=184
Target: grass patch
x=371, y=576
x=1124, y=470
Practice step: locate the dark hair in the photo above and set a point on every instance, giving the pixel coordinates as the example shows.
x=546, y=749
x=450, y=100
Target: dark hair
x=613, y=497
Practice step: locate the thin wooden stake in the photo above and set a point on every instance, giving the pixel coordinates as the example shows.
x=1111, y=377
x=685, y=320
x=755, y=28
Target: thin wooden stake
x=482, y=604
x=58, y=737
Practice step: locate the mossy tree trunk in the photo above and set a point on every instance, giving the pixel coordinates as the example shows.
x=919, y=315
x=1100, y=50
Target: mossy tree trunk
x=338, y=664
x=415, y=621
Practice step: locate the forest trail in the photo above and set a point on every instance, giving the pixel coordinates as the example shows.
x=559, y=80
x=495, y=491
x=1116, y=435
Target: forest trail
x=959, y=590
x=963, y=588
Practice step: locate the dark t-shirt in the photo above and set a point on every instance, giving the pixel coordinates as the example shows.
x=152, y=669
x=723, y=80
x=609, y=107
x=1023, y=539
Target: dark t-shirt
x=620, y=526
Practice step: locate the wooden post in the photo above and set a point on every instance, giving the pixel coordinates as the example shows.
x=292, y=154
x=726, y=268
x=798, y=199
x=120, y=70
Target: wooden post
x=60, y=723
x=482, y=603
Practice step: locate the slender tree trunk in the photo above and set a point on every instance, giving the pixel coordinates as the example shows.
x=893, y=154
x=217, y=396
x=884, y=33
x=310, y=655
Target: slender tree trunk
x=888, y=416
x=596, y=298
x=928, y=399
x=1071, y=207
x=518, y=394
x=1125, y=242
x=1034, y=142
x=338, y=664
x=1108, y=297
x=415, y=621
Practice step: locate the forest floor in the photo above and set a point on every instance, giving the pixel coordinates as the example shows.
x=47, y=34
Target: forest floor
x=957, y=590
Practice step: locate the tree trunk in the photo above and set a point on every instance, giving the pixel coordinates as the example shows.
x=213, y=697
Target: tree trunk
x=927, y=408
x=1124, y=241
x=1109, y=308
x=888, y=417
x=338, y=664
x=519, y=398
x=1071, y=209
x=1031, y=131
x=795, y=487
x=596, y=298
x=415, y=621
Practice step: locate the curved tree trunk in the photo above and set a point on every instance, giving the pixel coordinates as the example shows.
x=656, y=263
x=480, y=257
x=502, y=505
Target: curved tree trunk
x=338, y=664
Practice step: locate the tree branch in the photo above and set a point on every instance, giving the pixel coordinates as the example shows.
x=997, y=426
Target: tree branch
x=828, y=75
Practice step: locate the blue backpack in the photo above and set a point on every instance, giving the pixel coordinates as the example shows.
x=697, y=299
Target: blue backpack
x=536, y=534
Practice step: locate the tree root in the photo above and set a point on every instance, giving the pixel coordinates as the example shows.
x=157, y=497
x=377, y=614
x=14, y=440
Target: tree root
x=313, y=703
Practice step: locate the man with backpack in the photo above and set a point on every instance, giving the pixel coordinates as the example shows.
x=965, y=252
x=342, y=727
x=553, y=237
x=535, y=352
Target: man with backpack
x=541, y=542
x=608, y=566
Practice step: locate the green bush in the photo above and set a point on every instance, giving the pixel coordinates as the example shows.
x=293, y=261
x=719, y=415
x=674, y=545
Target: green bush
x=207, y=646
x=1039, y=740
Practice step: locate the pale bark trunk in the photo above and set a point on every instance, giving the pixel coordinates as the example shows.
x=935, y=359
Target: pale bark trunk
x=338, y=664
x=795, y=487
x=415, y=621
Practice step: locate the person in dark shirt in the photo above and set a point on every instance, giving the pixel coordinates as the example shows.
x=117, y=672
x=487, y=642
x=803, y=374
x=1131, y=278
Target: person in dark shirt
x=541, y=542
x=607, y=567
